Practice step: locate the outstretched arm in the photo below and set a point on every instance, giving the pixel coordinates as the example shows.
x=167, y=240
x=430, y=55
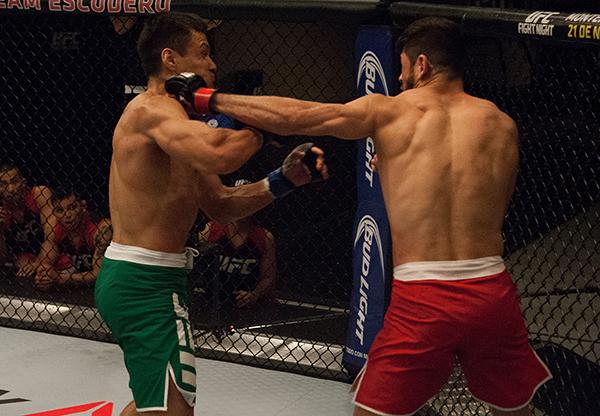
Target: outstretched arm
x=287, y=116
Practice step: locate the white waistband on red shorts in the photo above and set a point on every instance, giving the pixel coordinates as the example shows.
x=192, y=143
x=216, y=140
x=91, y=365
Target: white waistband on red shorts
x=449, y=270
x=140, y=255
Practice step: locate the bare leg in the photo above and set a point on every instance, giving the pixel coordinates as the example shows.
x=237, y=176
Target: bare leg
x=176, y=405
x=521, y=412
x=129, y=410
x=359, y=411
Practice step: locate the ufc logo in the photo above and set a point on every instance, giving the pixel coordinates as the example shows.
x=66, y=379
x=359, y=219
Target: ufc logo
x=65, y=40
x=540, y=17
x=233, y=265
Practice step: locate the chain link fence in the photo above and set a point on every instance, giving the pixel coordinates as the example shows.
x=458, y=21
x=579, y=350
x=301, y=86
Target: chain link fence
x=552, y=230
x=65, y=80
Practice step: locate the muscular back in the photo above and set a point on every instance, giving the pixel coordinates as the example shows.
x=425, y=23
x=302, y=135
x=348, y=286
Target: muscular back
x=448, y=163
x=153, y=200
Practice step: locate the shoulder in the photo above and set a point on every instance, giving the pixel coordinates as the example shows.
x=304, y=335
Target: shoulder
x=379, y=102
x=152, y=109
x=413, y=99
x=498, y=119
x=376, y=98
x=41, y=195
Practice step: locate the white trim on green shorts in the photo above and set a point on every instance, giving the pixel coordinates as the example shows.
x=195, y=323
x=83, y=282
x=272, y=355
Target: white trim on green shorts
x=140, y=255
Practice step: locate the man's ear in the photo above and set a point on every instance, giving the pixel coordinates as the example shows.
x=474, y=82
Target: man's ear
x=168, y=58
x=423, y=66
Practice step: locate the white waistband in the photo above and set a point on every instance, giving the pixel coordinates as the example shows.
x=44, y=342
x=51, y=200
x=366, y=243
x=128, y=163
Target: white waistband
x=449, y=270
x=116, y=251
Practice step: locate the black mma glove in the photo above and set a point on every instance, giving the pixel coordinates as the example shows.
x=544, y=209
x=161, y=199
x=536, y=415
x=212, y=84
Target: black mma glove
x=278, y=182
x=192, y=89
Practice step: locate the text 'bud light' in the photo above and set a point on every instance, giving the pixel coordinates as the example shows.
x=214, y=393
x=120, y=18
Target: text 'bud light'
x=368, y=232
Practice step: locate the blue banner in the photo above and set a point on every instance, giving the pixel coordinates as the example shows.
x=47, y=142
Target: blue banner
x=376, y=71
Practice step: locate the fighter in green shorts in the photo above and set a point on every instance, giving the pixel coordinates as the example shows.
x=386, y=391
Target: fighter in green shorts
x=165, y=169
x=151, y=325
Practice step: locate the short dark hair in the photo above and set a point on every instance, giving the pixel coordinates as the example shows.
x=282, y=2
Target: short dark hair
x=439, y=39
x=5, y=167
x=62, y=192
x=170, y=30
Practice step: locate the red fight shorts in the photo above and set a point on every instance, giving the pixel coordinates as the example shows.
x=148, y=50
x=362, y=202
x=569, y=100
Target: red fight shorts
x=441, y=312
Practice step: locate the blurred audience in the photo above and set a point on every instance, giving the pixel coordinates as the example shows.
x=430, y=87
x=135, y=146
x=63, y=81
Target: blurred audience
x=26, y=223
x=80, y=242
x=247, y=260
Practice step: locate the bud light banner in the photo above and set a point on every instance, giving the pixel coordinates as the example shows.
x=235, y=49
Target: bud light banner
x=371, y=270
x=376, y=73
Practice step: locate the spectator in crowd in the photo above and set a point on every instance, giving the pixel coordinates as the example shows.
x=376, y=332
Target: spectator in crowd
x=26, y=223
x=247, y=260
x=80, y=242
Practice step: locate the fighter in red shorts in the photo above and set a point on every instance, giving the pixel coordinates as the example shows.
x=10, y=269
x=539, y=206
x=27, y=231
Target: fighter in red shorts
x=80, y=242
x=448, y=163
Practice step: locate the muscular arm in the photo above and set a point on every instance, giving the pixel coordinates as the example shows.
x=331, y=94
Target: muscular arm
x=101, y=241
x=207, y=149
x=287, y=116
x=225, y=204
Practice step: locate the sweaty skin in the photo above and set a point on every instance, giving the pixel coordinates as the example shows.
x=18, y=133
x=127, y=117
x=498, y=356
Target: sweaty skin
x=447, y=160
x=165, y=166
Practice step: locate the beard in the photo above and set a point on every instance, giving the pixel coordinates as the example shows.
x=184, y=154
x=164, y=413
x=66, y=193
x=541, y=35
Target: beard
x=409, y=83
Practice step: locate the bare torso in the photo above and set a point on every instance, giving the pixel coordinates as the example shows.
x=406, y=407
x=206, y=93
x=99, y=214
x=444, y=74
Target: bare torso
x=153, y=201
x=447, y=166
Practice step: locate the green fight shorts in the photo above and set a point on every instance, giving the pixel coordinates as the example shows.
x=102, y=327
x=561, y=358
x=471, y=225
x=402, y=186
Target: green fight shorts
x=145, y=308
